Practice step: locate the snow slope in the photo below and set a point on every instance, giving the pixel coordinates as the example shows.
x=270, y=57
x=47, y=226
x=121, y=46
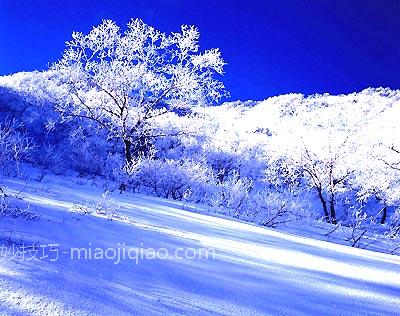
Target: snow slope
x=255, y=271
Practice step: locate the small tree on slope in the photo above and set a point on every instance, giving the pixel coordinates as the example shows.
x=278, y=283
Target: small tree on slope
x=123, y=81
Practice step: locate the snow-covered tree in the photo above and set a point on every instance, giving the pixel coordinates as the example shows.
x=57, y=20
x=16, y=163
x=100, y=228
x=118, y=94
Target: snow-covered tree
x=321, y=140
x=124, y=80
x=378, y=174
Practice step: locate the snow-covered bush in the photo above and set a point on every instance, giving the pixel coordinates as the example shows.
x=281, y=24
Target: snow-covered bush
x=14, y=145
x=176, y=179
x=104, y=207
x=394, y=230
x=271, y=208
x=360, y=223
x=13, y=207
x=231, y=194
x=14, y=148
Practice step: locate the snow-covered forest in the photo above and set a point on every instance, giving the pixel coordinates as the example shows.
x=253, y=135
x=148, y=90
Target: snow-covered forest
x=287, y=158
x=139, y=112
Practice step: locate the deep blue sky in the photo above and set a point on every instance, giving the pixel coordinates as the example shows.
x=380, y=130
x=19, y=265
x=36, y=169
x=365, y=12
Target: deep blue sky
x=271, y=47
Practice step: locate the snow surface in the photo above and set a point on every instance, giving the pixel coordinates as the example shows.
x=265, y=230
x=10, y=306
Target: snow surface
x=255, y=271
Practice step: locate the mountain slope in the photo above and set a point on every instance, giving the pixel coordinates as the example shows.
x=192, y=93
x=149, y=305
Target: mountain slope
x=249, y=270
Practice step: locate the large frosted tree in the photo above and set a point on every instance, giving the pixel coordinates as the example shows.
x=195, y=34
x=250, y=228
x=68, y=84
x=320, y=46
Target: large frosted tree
x=124, y=80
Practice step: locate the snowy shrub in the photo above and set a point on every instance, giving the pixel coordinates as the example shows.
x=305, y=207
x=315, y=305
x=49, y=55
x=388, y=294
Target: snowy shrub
x=14, y=145
x=176, y=179
x=394, y=231
x=231, y=194
x=271, y=208
x=13, y=207
x=104, y=207
x=240, y=197
x=360, y=223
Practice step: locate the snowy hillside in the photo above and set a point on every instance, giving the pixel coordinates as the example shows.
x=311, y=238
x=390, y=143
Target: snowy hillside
x=249, y=270
x=133, y=183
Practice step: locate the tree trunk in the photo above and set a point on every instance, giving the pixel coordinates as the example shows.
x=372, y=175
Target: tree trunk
x=141, y=146
x=323, y=202
x=128, y=154
x=384, y=210
x=332, y=209
x=384, y=215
